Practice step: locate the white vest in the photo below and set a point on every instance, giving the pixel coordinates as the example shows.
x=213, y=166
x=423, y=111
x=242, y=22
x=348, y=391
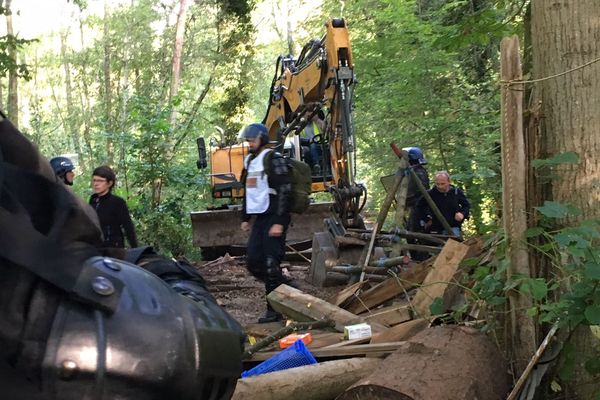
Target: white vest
x=257, y=184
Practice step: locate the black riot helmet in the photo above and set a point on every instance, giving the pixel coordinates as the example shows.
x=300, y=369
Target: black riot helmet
x=254, y=131
x=415, y=155
x=62, y=165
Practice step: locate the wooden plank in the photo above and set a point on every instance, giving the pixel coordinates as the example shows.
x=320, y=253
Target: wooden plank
x=390, y=288
x=325, y=339
x=343, y=351
x=349, y=342
x=301, y=306
x=400, y=332
x=345, y=294
x=390, y=316
x=435, y=284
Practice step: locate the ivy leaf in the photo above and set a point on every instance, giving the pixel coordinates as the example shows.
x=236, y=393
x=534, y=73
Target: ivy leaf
x=592, y=314
x=553, y=209
x=537, y=288
x=437, y=306
x=592, y=270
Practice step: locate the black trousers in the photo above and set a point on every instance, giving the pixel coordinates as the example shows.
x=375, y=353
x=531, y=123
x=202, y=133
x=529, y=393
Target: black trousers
x=265, y=253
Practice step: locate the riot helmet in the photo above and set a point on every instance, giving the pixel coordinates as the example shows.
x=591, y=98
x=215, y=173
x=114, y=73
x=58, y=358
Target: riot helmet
x=254, y=131
x=62, y=165
x=415, y=155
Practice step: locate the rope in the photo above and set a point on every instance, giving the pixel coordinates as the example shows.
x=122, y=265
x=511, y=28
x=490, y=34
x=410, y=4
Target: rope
x=520, y=82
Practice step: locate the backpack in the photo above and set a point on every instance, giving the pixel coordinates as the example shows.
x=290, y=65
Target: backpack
x=301, y=181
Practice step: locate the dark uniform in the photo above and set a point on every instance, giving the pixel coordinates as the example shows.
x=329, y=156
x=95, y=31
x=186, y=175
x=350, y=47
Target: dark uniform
x=75, y=325
x=449, y=203
x=114, y=219
x=267, y=188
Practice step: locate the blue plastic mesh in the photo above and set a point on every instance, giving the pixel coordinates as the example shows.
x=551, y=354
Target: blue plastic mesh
x=296, y=355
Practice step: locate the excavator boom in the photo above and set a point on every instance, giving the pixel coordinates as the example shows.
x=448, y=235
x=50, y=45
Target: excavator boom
x=318, y=82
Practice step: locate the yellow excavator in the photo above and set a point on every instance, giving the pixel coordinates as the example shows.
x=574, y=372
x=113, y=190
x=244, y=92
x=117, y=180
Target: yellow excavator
x=316, y=83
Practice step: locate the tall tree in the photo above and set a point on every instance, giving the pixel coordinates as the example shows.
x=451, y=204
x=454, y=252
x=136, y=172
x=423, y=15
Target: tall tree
x=13, y=95
x=566, y=54
x=177, y=51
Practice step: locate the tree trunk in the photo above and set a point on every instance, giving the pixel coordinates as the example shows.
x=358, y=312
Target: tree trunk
x=176, y=64
x=565, y=37
x=70, y=126
x=514, y=216
x=13, y=97
x=107, y=89
x=441, y=363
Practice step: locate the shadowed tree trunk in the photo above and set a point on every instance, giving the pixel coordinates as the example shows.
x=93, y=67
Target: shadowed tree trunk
x=565, y=37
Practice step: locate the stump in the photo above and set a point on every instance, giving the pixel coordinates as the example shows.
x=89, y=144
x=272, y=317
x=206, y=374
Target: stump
x=444, y=363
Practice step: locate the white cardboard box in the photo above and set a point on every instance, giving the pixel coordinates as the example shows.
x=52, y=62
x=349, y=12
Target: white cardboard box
x=357, y=331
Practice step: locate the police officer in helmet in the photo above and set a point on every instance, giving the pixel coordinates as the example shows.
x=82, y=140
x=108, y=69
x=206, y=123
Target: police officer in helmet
x=267, y=187
x=63, y=168
x=417, y=162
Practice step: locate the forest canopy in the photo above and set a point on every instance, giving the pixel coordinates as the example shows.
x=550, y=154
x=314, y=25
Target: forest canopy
x=98, y=85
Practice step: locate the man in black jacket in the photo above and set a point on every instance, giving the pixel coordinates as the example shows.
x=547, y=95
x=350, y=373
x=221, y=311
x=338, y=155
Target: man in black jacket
x=267, y=188
x=452, y=203
x=112, y=210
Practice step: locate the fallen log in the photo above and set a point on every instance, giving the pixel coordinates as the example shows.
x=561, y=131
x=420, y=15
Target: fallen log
x=323, y=381
x=303, y=307
x=451, y=363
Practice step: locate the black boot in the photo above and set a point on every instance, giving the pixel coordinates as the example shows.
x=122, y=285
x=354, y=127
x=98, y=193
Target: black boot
x=270, y=316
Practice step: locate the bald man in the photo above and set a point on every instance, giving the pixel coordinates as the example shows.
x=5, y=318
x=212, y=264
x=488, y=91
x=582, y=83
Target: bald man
x=452, y=203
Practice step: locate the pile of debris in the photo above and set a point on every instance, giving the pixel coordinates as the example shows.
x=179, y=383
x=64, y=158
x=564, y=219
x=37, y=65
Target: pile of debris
x=401, y=355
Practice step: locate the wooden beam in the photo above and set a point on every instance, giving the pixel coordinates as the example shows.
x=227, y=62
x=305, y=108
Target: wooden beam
x=390, y=316
x=390, y=288
x=301, y=306
x=343, y=351
x=435, y=284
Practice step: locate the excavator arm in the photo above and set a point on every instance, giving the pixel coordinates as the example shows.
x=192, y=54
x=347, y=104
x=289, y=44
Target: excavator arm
x=320, y=81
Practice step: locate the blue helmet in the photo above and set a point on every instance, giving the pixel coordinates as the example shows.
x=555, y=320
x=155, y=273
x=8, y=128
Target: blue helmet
x=415, y=155
x=256, y=130
x=62, y=165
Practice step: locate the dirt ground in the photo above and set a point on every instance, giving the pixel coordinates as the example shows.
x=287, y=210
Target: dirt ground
x=242, y=295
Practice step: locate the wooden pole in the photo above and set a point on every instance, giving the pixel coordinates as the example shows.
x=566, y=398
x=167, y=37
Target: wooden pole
x=514, y=188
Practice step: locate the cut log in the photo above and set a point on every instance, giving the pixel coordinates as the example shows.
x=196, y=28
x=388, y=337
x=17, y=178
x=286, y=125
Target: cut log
x=390, y=288
x=435, y=284
x=452, y=363
x=301, y=306
x=323, y=381
x=400, y=332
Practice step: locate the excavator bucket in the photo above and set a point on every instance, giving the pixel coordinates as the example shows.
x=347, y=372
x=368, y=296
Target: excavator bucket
x=218, y=231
